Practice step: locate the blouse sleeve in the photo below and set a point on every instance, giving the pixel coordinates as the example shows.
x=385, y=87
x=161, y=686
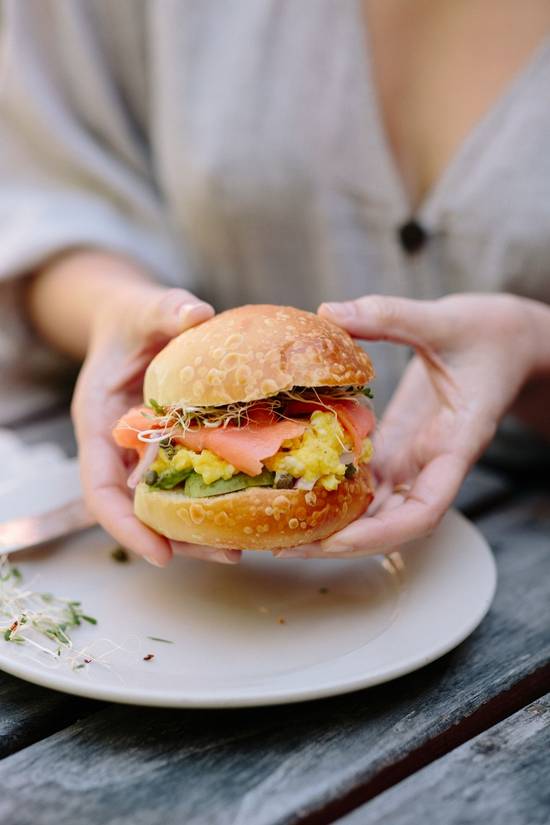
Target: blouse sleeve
x=75, y=167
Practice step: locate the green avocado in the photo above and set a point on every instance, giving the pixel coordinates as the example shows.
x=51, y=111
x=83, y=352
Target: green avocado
x=169, y=479
x=196, y=488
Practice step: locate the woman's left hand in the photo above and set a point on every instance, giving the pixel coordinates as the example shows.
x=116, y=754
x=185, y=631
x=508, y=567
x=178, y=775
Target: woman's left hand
x=473, y=353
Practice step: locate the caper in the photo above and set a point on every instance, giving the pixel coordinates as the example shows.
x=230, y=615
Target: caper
x=283, y=481
x=151, y=477
x=168, y=448
x=351, y=470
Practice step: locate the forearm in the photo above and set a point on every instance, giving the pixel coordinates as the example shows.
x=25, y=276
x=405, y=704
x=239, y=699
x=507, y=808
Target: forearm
x=64, y=298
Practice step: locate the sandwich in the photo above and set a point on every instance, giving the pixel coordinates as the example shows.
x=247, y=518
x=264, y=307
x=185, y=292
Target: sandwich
x=254, y=432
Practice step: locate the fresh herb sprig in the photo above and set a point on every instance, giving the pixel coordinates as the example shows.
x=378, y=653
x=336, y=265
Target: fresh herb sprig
x=156, y=407
x=175, y=417
x=40, y=620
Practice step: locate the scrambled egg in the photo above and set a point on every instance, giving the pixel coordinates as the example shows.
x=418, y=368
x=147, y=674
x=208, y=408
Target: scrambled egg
x=314, y=456
x=366, y=452
x=207, y=464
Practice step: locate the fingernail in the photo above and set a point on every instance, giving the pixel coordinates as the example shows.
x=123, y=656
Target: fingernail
x=335, y=547
x=341, y=311
x=224, y=557
x=189, y=311
x=153, y=561
x=289, y=553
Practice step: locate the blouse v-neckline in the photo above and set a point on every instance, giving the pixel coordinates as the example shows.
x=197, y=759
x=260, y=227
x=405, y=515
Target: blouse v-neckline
x=477, y=141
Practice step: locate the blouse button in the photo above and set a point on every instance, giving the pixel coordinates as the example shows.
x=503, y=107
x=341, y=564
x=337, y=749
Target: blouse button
x=412, y=236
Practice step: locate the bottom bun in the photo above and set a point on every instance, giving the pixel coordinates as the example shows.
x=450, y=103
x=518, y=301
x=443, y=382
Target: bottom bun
x=259, y=518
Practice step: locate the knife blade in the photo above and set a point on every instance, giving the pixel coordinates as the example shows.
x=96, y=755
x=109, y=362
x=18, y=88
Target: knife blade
x=24, y=533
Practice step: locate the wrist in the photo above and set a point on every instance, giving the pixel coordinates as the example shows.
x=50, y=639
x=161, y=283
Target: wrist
x=67, y=298
x=118, y=316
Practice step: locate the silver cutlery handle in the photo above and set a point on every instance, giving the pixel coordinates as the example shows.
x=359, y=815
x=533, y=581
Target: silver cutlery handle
x=23, y=533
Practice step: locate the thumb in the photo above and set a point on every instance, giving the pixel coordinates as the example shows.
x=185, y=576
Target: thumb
x=167, y=312
x=418, y=324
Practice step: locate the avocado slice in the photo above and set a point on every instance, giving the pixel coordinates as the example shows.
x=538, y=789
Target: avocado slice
x=169, y=479
x=196, y=488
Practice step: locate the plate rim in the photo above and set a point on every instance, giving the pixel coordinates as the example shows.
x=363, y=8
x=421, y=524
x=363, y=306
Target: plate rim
x=240, y=697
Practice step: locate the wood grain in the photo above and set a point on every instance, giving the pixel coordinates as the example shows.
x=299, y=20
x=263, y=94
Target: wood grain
x=29, y=713
x=308, y=763
x=482, y=490
x=499, y=776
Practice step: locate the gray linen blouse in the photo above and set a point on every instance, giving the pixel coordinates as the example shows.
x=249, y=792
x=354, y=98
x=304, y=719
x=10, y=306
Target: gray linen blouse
x=237, y=149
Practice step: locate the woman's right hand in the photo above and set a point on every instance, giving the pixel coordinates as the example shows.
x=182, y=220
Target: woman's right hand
x=126, y=333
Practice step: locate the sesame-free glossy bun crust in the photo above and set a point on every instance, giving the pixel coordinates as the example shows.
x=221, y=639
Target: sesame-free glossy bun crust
x=259, y=518
x=253, y=352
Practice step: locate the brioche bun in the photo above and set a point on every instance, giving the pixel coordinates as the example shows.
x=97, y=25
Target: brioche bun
x=259, y=518
x=253, y=352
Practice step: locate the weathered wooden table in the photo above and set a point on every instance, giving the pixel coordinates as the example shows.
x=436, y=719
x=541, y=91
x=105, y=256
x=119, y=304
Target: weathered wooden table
x=464, y=740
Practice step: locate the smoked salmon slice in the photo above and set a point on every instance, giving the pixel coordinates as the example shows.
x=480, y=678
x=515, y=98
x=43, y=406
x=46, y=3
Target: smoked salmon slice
x=244, y=447
x=131, y=424
x=247, y=446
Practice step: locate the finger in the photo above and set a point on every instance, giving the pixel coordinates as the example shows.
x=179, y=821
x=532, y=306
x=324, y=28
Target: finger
x=424, y=325
x=105, y=493
x=411, y=406
x=130, y=378
x=383, y=492
x=172, y=311
x=421, y=511
x=204, y=553
x=396, y=498
x=299, y=552
x=387, y=498
x=320, y=553
x=419, y=324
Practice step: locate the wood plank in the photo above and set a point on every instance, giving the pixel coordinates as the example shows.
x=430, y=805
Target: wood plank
x=482, y=490
x=500, y=775
x=308, y=763
x=29, y=713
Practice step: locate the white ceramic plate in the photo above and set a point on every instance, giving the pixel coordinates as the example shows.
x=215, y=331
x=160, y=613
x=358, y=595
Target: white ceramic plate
x=268, y=631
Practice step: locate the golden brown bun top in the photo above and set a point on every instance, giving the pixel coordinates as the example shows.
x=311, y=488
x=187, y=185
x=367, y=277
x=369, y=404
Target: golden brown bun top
x=253, y=352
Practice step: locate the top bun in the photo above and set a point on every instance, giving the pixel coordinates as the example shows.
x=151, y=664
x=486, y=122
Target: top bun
x=253, y=352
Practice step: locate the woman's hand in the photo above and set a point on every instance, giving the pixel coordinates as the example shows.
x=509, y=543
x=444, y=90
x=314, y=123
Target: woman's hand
x=138, y=320
x=473, y=353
